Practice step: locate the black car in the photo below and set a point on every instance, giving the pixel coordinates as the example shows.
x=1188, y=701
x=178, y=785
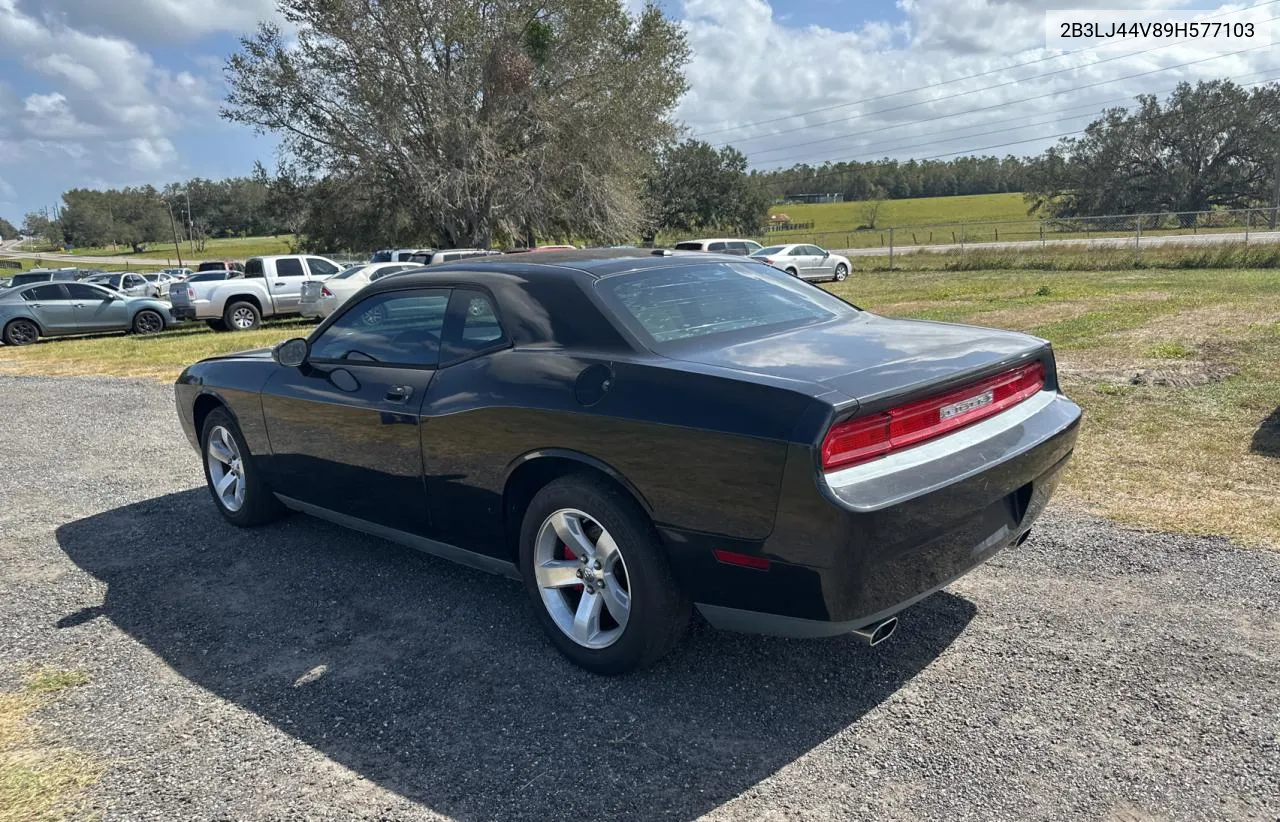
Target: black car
x=637, y=434
x=44, y=275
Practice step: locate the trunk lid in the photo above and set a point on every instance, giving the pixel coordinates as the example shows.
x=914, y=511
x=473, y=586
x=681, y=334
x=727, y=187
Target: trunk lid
x=870, y=358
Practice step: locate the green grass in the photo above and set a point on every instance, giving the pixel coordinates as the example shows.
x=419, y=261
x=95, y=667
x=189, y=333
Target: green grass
x=1076, y=258
x=40, y=780
x=235, y=248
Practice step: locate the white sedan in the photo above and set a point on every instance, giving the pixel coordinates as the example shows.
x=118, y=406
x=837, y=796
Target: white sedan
x=321, y=297
x=808, y=262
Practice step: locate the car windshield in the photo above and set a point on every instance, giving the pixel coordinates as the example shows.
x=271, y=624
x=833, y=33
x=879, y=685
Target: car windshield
x=765, y=252
x=667, y=305
x=207, y=276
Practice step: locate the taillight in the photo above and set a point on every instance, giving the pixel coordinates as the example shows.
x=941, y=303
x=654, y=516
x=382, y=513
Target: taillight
x=325, y=292
x=865, y=438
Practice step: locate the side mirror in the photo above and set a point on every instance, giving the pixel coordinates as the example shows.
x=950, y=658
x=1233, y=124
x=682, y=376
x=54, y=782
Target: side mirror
x=291, y=353
x=826, y=254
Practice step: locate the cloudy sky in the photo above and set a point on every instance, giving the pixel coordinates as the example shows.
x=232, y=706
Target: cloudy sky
x=116, y=92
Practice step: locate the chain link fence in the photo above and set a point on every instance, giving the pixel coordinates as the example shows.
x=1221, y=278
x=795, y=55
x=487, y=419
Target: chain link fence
x=1243, y=225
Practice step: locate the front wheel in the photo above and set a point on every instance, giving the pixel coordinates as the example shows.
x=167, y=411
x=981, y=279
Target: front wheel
x=842, y=271
x=148, y=322
x=595, y=570
x=21, y=332
x=234, y=479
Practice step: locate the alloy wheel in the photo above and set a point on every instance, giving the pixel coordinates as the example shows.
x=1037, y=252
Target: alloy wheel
x=243, y=318
x=582, y=578
x=149, y=322
x=226, y=468
x=23, y=332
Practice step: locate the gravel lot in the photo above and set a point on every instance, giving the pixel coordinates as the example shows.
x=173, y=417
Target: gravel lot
x=304, y=672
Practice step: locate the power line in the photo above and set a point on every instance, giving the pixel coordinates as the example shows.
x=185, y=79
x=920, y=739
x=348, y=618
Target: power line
x=1000, y=105
x=954, y=80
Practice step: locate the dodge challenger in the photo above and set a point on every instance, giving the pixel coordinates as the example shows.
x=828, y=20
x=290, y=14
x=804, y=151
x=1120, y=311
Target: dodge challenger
x=637, y=435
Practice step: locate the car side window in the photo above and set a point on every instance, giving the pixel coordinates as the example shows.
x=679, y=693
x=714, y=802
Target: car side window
x=253, y=268
x=289, y=267
x=321, y=267
x=391, y=269
x=473, y=325
x=739, y=248
x=798, y=251
x=84, y=291
x=394, y=328
x=716, y=247
x=44, y=292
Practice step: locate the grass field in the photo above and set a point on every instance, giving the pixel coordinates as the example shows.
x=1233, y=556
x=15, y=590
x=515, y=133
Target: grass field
x=1176, y=370
x=837, y=217
x=235, y=248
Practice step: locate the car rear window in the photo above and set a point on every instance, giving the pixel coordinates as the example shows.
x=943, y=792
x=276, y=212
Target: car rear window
x=688, y=246
x=773, y=249
x=683, y=302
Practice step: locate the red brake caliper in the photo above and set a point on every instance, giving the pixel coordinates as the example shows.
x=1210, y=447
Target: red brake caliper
x=570, y=555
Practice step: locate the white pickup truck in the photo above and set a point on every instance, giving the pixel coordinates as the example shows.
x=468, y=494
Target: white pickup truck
x=270, y=287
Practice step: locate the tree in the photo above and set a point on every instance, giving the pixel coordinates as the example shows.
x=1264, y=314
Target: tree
x=483, y=119
x=38, y=224
x=7, y=229
x=871, y=207
x=694, y=187
x=1212, y=145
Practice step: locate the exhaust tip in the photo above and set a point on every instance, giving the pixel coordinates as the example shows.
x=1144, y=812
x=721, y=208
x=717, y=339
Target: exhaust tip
x=877, y=632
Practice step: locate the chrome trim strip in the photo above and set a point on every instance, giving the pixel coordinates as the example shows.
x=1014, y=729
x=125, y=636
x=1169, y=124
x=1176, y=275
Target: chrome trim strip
x=898, y=477
x=443, y=550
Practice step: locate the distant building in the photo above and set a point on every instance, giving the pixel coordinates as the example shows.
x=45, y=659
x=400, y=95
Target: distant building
x=815, y=198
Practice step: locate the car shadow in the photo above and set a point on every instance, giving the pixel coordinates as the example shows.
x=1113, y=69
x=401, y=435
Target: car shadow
x=1266, y=440
x=434, y=681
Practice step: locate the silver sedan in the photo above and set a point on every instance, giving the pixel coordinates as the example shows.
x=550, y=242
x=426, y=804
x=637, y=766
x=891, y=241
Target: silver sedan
x=55, y=309
x=808, y=262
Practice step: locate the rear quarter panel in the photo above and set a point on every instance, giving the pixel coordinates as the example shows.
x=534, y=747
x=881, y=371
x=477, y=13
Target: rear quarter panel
x=703, y=453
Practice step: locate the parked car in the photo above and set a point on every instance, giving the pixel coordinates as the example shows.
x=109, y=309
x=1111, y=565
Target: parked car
x=808, y=262
x=44, y=275
x=742, y=248
x=270, y=287
x=53, y=309
x=220, y=265
x=396, y=255
x=5, y=282
x=439, y=257
x=638, y=434
x=129, y=283
x=542, y=248
x=320, y=297
x=177, y=274
x=160, y=282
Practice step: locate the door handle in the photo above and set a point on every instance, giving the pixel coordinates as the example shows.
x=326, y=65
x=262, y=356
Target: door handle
x=79, y=305
x=399, y=393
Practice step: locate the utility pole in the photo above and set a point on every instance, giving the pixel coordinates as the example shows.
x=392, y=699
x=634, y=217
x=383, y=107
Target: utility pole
x=177, y=247
x=1275, y=194
x=186, y=192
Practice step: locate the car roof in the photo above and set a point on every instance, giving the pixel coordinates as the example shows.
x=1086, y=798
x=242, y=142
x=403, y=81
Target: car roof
x=595, y=263
x=721, y=240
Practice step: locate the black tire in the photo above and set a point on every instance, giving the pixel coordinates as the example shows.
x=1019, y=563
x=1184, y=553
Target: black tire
x=659, y=610
x=216, y=325
x=241, y=316
x=147, y=321
x=793, y=272
x=842, y=271
x=21, y=332
x=260, y=505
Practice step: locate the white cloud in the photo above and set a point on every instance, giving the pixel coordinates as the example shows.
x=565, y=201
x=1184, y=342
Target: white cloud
x=749, y=67
x=154, y=20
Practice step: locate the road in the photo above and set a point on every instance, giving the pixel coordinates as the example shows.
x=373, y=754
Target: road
x=305, y=672
x=1096, y=242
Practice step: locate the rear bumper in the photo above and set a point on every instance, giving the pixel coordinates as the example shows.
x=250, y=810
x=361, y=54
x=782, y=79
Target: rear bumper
x=851, y=549
x=182, y=312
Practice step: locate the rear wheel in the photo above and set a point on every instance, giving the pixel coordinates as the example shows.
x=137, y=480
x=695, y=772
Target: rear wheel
x=241, y=316
x=793, y=272
x=598, y=578
x=148, y=322
x=21, y=332
x=234, y=479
